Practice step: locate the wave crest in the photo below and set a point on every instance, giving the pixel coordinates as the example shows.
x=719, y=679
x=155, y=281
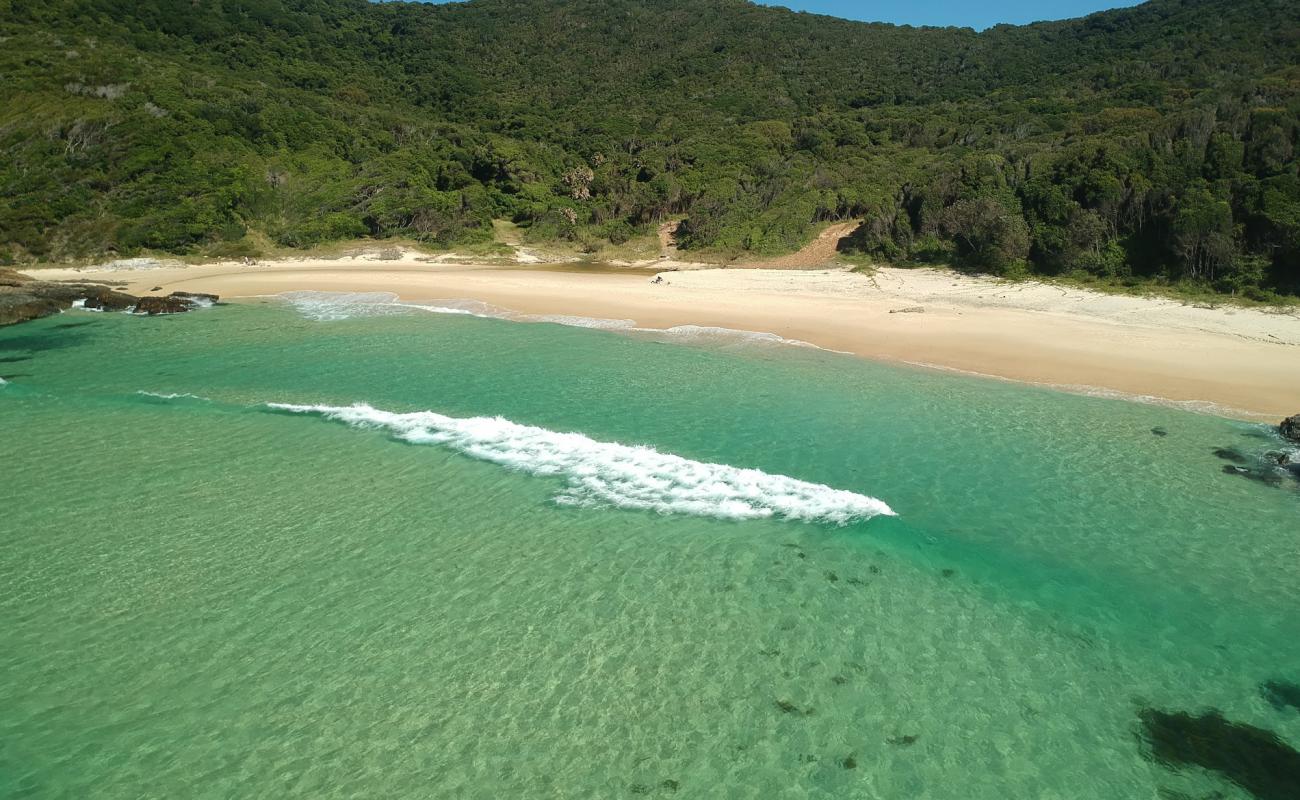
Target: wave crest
x=611, y=474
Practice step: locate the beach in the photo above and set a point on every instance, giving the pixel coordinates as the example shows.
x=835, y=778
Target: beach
x=1234, y=361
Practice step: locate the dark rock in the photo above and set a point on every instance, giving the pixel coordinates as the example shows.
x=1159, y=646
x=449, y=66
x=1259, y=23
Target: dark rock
x=790, y=708
x=9, y=277
x=849, y=762
x=153, y=305
x=948, y=573
x=1269, y=477
x=1281, y=694
x=832, y=577
x=670, y=784
x=24, y=298
x=1253, y=758
x=197, y=296
x=156, y=289
x=1290, y=428
x=1159, y=432
x=20, y=306
x=107, y=299
x=903, y=741
x=1228, y=454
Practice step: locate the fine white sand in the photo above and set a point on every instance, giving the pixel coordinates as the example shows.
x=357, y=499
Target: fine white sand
x=1246, y=362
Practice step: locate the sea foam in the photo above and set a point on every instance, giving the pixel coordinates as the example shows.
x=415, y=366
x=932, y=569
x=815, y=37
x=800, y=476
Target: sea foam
x=171, y=395
x=600, y=474
x=334, y=306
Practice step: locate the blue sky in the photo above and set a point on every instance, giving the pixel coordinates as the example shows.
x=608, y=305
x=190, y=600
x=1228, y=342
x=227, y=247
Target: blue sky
x=962, y=13
x=952, y=12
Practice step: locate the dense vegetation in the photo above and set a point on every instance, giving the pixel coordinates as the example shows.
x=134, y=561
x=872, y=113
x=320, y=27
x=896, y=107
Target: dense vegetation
x=1158, y=142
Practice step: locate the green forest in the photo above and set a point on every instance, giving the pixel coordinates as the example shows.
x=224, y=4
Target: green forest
x=1155, y=144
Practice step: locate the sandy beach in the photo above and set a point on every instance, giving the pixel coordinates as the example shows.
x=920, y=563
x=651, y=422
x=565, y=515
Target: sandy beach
x=1234, y=361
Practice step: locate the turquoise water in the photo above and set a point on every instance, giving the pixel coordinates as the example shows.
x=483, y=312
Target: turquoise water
x=203, y=596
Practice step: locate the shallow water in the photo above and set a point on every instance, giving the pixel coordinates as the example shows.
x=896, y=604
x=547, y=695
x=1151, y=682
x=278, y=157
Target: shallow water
x=206, y=596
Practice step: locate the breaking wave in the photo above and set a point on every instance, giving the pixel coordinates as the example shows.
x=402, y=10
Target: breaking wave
x=171, y=395
x=598, y=474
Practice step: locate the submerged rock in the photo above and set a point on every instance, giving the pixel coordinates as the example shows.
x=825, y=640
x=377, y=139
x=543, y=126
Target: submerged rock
x=1281, y=694
x=1252, y=758
x=1228, y=454
x=1267, y=476
x=1159, y=432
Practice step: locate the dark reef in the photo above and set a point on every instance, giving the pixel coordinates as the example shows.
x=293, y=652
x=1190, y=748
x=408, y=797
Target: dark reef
x=1252, y=758
x=1281, y=694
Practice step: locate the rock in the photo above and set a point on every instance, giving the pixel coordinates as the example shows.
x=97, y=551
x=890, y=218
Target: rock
x=908, y=310
x=1268, y=477
x=1159, y=432
x=209, y=298
x=1230, y=455
x=105, y=299
x=24, y=298
x=18, y=307
x=1255, y=759
x=9, y=277
x=1290, y=428
x=161, y=305
x=1281, y=694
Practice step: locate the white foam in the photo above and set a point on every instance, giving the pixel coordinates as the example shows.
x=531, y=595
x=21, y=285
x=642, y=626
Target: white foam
x=612, y=474
x=171, y=395
x=595, y=323
x=331, y=306
x=711, y=334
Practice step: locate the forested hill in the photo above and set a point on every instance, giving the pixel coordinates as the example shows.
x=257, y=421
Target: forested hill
x=1155, y=142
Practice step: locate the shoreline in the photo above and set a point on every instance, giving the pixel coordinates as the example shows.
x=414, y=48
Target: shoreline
x=1242, y=361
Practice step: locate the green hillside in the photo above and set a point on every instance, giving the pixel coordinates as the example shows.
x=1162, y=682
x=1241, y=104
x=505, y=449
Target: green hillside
x=1157, y=142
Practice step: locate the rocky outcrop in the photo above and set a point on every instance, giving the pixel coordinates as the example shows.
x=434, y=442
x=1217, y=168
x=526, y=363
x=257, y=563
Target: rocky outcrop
x=24, y=298
x=1290, y=428
x=170, y=304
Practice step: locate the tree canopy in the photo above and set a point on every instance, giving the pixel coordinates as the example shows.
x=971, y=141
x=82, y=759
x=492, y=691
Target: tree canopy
x=1155, y=142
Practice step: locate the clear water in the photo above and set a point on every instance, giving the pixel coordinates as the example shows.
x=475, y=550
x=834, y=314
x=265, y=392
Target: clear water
x=203, y=597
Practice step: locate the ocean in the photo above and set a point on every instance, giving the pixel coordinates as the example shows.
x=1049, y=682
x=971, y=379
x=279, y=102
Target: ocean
x=340, y=546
